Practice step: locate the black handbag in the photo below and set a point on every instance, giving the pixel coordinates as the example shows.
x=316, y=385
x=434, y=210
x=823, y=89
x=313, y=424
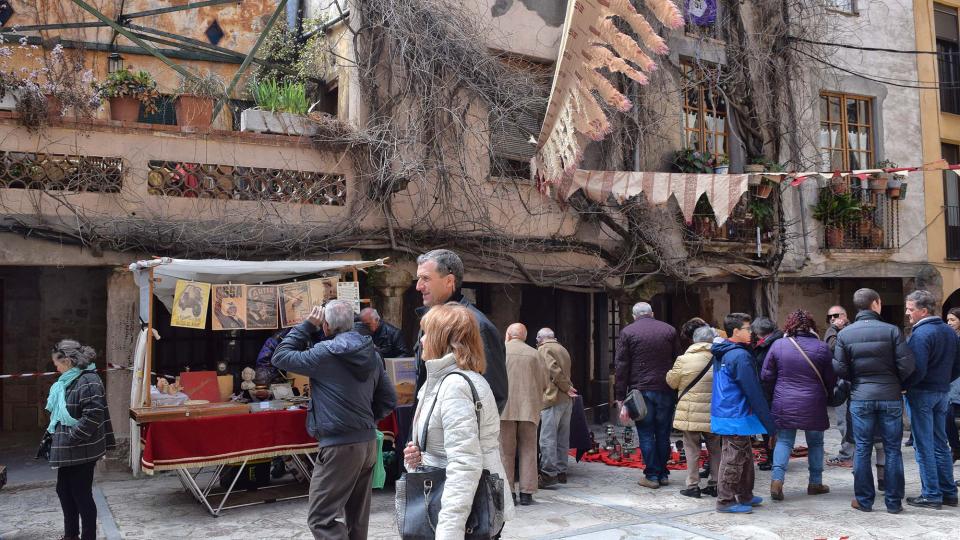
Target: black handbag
x=419, y=493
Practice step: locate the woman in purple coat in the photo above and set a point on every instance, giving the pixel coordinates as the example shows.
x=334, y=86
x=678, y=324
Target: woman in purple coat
x=798, y=371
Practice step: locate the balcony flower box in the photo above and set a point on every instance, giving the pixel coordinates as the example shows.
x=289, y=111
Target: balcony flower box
x=281, y=123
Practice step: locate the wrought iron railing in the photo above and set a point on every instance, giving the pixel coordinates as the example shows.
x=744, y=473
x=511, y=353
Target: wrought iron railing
x=202, y=180
x=876, y=225
x=751, y=213
x=60, y=172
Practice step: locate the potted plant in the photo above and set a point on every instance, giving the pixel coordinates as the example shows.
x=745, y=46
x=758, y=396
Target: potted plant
x=195, y=99
x=756, y=165
x=835, y=211
x=688, y=160
x=721, y=164
x=127, y=91
x=68, y=84
x=762, y=212
x=281, y=108
x=894, y=185
x=878, y=181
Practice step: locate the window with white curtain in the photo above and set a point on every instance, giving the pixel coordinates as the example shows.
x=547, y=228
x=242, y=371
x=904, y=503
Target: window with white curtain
x=846, y=138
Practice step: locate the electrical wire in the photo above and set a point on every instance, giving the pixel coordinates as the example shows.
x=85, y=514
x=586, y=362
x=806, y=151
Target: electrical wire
x=934, y=85
x=870, y=49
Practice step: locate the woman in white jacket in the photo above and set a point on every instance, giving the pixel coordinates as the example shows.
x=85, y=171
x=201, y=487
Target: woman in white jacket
x=451, y=342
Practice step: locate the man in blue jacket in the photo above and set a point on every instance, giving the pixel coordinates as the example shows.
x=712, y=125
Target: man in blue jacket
x=349, y=393
x=934, y=346
x=738, y=411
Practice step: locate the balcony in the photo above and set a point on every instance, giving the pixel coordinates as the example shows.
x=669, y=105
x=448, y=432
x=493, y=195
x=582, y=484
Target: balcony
x=106, y=171
x=751, y=225
x=858, y=215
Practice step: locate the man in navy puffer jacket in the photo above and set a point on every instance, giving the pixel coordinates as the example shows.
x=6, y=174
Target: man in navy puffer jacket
x=934, y=346
x=738, y=411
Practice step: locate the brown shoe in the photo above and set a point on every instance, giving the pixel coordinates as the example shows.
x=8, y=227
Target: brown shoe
x=562, y=478
x=647, y=483
x=776, y=490
x=817, y=489
x=855, y=504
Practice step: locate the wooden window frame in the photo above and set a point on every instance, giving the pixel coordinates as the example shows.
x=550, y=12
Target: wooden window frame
x=700, y=111
x=844, y=125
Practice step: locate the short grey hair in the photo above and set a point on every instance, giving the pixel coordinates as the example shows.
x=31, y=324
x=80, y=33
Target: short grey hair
x=704, y=334
x=447, y=261
x=642, y=309
x=763, y=326
x=372, y=312
x=545, y=333
x=338, y=314
x=923, y=300
x=79, y=356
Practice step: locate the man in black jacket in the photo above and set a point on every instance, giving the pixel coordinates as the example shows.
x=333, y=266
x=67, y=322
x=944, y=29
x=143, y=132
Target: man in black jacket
x=874, y=358
x=349, y=393
x=439, y=277
x=766, y=333
x=386, y=337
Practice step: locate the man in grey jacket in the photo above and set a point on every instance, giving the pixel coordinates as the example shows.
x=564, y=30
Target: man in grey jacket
x=349, y=393
x=874, y=358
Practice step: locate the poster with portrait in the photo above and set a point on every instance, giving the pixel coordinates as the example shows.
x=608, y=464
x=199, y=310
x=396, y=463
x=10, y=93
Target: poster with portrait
x=261, y=307
x=322, y=289
x=229, y=307
x=190, y=304
x=295, y=303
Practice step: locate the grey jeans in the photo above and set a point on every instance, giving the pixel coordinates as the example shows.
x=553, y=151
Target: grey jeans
x=846, y=447
x=555, y=437
x=340, y=491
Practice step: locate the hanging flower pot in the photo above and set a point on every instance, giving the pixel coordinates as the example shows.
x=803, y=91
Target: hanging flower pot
x=893, y=187
x=877, y=183
x=721, y=169
x=754, y=168
x=124, y=109
x=764, y=189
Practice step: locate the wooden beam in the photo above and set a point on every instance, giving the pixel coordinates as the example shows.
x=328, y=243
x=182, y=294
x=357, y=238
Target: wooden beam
x=125, y=33
x=159, y=11
x=250, y=56
x=57, y=26
x=128, y=49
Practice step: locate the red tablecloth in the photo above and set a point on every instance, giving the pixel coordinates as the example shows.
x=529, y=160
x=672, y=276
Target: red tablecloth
x=213, y=440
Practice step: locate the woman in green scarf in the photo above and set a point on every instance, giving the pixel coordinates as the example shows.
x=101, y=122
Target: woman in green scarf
x=82, y=433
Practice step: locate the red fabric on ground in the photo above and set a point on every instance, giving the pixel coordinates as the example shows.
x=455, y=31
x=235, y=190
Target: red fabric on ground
x=674, y=464
x=212, y=440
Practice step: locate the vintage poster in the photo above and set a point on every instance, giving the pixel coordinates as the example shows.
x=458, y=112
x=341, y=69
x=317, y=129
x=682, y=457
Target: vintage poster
x=295, y=303
x=322, y=289
x=190, y=304
x=229, y=307
x=349, y=291
x=261, y=307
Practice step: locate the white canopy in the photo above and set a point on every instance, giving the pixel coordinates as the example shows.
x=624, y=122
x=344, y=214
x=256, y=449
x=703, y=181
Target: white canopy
x=167, y=271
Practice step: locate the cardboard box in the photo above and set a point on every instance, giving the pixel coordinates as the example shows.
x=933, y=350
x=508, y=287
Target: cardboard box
x=403, y=374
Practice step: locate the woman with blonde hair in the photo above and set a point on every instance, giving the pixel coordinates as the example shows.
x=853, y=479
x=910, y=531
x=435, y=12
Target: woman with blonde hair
x=457, y=440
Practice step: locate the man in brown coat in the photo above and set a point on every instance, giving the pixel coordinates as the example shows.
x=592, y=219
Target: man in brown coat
x=527, y=378
x=557, y=406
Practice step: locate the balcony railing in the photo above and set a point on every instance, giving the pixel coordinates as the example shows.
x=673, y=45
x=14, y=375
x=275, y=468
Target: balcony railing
x=203, y=180
x=875, y=227
x=60, y=172
x=751, y=212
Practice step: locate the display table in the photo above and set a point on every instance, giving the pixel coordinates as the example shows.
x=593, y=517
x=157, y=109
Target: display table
x=198, y=443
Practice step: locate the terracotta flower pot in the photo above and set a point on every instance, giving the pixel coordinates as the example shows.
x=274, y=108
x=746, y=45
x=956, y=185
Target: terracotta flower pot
x=877, y=183
x=124, y=109
x=876, y=237
x=194, y=111
x=835, y=237
x=764, y=190
x=864, y=228
x=754, y=168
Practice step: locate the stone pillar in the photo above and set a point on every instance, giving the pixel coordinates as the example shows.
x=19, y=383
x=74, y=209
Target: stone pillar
x=388, y=286
x=123, y=325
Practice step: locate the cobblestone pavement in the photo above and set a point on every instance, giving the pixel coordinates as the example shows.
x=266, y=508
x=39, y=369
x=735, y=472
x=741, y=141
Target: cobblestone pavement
x=599, y=502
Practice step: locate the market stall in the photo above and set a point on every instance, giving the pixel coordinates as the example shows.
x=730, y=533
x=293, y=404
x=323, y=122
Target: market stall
x=200, y=421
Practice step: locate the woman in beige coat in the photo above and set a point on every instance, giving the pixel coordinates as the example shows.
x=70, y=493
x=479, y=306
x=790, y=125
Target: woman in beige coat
x=456, y=440
x=693, y=409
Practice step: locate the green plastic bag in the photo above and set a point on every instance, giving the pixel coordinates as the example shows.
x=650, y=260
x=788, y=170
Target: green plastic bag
x=379, y=473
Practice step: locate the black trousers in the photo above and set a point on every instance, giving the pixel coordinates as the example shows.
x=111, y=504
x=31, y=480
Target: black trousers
x=75, y=489
x=952, y=434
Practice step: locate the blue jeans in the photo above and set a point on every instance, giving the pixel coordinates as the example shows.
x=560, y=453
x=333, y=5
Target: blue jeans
x=653, y=433
x=928, y=421
x=870, y=417
x=781, y=454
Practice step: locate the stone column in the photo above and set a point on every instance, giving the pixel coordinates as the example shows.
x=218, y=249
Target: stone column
x=123, y=325
x=388, y=286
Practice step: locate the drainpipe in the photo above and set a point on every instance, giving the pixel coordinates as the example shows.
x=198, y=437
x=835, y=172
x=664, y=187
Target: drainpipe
x=803, y=222
x=293, y=15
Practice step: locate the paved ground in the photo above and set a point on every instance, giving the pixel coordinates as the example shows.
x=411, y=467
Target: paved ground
x=599, y=502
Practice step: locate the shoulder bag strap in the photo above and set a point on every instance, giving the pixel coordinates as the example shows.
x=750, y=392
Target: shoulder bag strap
x=700, y=376
x=813, y=367
x=477, y=405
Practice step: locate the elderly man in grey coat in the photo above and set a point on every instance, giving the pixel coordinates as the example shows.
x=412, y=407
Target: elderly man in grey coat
x=558, y=405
